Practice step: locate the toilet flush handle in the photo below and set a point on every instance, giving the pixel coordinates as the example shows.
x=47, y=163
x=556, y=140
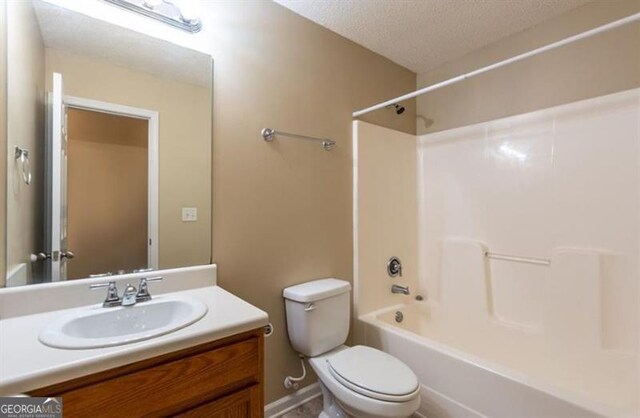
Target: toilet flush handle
x=310, y=307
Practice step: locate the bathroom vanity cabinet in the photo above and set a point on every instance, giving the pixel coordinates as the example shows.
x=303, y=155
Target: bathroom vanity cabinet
x=222, y=378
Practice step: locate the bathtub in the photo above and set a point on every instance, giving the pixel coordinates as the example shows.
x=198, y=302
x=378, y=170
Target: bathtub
x=471, y=367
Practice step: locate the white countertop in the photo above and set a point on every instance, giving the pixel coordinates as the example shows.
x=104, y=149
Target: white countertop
x=27, y=364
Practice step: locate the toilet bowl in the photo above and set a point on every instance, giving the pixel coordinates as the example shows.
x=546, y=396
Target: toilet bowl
x=359, y=396
x=356, y=381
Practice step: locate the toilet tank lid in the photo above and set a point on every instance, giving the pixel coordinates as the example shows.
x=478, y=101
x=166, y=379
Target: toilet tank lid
x=316, y=290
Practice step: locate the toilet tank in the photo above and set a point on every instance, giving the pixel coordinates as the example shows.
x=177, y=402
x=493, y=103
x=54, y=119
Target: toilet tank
x=318, y=315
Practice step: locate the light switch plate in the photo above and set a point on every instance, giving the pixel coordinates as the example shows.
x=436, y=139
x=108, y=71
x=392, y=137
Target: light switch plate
x=189, y=214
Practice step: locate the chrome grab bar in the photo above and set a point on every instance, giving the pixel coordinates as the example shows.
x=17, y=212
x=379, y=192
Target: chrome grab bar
x=518, y=259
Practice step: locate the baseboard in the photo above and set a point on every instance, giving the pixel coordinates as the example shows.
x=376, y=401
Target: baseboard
x=289, y=402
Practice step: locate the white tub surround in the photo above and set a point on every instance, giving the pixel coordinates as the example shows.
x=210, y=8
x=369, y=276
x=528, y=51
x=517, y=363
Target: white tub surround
x=527, y=259
x=27, y=364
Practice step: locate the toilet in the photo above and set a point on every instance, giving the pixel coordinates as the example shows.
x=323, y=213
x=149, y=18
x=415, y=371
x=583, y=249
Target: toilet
x=356, y=381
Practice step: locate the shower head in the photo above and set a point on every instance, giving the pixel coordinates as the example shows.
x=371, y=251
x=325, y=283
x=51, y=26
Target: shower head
x=399, y=109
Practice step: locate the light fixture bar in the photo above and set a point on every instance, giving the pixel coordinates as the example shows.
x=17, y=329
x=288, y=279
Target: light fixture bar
x=161, y=10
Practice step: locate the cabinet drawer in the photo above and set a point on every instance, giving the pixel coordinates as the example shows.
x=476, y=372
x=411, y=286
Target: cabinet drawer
x=171, y=387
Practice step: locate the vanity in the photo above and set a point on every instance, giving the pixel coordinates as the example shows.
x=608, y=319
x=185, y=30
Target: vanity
x=107, y=297
x=220, y=378
x=211, y=367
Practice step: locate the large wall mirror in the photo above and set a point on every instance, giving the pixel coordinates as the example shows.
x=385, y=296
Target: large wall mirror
x=109, y=145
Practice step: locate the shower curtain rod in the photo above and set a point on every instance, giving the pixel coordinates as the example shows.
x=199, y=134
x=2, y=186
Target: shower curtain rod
x=437, y=86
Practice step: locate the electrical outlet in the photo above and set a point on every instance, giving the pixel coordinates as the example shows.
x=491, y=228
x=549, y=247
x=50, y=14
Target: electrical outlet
x=189, y=214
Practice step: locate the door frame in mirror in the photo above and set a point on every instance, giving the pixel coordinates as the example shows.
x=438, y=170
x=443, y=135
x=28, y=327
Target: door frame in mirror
x=152, y=117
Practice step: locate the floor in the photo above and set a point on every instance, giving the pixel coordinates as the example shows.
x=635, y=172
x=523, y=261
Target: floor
x=310, y=409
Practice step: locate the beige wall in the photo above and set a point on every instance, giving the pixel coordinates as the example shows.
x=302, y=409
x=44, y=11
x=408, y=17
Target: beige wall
x=184, y=144
x=25, y=126
x=3, y=139
x=282, y=212
x=107, y=193
x=600, y=65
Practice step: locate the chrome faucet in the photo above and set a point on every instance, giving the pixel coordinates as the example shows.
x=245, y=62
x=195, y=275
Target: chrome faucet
x=131, y=295
x=403, y=290
x=112, y=298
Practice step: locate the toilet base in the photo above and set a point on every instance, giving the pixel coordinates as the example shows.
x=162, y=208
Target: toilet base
x=341, y=402
x=330, y=408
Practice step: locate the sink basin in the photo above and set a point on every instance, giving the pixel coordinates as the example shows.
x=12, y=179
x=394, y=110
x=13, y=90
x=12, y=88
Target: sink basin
x=96, y=327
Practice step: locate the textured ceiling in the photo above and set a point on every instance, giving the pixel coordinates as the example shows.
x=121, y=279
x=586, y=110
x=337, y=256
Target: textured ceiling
x=422, y=34
x=76, y=33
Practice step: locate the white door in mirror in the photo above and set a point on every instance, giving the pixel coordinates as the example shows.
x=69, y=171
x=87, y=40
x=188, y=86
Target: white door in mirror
x=56, y=195
x=95, y=326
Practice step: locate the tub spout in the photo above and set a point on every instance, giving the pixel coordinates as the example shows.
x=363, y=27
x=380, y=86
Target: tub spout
x=404, y=290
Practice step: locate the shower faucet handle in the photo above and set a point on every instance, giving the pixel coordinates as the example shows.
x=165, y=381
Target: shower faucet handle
x=394, y=267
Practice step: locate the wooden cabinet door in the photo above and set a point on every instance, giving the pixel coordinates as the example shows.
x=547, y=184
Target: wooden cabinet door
x=246, y=403
x=171, y=387
x=223, y=378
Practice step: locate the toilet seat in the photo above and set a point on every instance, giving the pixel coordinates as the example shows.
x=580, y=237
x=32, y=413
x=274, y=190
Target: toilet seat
x=374, y=374
x=354, y=403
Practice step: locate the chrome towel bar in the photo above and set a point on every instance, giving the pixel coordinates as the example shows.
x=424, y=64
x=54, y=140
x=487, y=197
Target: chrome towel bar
x=269, y=134
x=518, y=259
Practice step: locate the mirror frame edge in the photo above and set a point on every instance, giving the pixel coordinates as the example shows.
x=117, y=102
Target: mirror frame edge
x=3, y=141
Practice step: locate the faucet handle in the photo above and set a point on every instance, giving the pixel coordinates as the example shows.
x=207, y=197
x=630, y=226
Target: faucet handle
x=112, y=298
x=143, y=290
x=394, y=267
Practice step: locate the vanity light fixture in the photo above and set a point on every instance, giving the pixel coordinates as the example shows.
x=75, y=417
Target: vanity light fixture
x=176, y=13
